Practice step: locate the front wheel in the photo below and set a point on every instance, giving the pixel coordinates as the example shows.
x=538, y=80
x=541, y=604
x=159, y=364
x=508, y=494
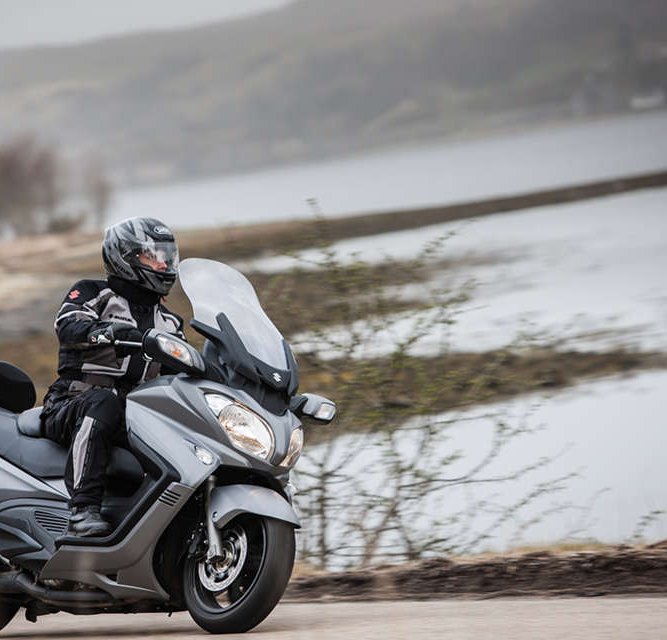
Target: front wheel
x=236, y=591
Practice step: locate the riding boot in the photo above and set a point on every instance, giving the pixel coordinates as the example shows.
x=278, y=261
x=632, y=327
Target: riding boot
x=87, y=521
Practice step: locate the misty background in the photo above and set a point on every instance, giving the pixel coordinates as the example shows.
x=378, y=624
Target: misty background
x=489, y=177
x=314, y=79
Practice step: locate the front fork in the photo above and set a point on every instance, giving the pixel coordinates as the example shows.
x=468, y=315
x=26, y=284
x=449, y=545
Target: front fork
x=212, y=532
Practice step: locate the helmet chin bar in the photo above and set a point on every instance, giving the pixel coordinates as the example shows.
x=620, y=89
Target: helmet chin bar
x=157, y=281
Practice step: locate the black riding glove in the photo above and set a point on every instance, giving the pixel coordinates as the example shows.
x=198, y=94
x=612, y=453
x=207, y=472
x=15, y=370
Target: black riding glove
x=112, y=332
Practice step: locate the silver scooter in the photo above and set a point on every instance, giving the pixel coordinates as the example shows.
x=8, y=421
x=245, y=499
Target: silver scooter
x=200, y=504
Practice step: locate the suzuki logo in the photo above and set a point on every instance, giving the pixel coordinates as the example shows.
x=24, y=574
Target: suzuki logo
x=277, y=377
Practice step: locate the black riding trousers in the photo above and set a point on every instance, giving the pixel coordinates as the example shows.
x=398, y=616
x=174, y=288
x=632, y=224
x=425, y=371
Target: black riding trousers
x=90, y=423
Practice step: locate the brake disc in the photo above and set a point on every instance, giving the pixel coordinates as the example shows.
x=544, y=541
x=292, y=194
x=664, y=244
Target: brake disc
x=219, y=572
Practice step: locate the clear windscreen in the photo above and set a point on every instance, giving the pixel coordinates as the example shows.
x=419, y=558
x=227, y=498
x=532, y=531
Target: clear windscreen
x=213, y=288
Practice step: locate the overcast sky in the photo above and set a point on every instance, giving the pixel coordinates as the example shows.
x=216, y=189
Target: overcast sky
x=31, y=22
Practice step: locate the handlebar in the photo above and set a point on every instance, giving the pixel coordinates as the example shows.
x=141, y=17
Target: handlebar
x=128, y=344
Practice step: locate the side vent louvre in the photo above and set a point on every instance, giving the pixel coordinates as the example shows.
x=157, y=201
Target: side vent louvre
x=170, y=497
x=51, y=522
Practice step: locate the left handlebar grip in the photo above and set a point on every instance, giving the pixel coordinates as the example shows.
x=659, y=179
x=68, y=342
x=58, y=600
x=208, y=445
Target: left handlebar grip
x=127, y=343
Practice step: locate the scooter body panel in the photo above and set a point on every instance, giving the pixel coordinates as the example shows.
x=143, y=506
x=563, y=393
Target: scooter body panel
x=17, y=484
x=130, y=561
x=231, y=500
x=170, y=417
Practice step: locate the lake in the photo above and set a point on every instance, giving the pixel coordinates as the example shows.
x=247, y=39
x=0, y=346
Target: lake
x=443, y=173
x=590, y=273
x=610, y=433
x=572, y=271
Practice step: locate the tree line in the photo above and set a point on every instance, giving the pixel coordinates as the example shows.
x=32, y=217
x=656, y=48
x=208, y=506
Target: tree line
x=43, y=192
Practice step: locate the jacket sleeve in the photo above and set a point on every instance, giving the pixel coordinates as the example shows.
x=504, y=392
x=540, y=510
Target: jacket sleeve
x=80, y=313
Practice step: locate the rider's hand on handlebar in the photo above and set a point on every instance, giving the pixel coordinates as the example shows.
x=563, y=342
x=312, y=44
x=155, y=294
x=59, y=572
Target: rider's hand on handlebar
x=115, y=331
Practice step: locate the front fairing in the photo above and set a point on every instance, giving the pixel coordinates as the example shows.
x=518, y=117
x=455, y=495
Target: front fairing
x=193, y=391
x=171, y=415
x=245, y=351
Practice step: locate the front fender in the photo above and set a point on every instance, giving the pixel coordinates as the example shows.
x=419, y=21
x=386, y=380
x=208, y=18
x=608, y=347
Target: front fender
x=229, y=501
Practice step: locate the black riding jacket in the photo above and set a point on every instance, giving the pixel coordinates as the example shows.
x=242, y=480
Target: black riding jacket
x=92, y=304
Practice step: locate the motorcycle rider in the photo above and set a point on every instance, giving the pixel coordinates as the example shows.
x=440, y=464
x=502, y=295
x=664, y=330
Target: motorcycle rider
x=84, y=408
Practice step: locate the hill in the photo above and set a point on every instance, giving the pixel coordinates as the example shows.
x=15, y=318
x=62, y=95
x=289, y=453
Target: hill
x=321, y=78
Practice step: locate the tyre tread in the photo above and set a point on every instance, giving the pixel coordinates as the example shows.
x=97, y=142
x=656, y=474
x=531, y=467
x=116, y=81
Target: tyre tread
x=267, y=591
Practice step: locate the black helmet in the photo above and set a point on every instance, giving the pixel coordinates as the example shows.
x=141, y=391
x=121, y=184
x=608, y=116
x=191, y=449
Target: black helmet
x=143, y=251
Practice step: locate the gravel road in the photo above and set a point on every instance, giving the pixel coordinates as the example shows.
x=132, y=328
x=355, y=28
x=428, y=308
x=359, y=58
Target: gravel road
x=519, y=619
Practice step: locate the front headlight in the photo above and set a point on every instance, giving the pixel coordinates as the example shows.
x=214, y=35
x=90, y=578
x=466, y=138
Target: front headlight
x=294, y=449
x=245, y=429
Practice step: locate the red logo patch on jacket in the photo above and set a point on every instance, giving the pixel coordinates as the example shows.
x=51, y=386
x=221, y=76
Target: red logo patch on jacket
x=73, y=295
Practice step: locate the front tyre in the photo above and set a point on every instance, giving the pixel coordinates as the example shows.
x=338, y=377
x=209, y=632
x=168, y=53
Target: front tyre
x=235, y=592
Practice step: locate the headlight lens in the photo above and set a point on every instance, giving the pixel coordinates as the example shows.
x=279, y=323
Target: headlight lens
x=245, y=428
x=294, y=449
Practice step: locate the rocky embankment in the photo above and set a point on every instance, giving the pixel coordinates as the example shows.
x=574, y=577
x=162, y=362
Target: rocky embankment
x=617, y=571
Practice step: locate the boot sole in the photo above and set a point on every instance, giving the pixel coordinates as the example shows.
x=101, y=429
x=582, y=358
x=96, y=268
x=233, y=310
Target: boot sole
x=89, y=532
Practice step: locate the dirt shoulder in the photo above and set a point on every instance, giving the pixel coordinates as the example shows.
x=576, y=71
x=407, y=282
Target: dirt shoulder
x=618, y=571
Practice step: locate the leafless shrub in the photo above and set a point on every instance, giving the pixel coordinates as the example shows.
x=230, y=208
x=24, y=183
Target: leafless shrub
x=381, y=491
x=97, y=190
x=36, y=193
x=29, y=184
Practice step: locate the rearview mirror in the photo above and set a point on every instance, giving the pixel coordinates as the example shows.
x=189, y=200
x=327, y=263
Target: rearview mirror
x=311, y=405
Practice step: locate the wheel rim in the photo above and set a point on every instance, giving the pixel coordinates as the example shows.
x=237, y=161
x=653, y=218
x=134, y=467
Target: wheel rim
x=223, y=585
x=217, y=574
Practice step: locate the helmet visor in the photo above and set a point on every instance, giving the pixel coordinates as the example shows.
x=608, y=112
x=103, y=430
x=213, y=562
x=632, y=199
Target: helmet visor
x=160, y=257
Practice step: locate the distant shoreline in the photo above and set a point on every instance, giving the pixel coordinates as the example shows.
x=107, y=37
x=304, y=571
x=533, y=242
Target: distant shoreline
x=248, y=241
x=477, y=134
x=252, y=240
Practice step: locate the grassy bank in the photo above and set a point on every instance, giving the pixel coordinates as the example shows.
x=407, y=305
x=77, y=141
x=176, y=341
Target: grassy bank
x=250, y=241
x=79, y=254
x=409, y=386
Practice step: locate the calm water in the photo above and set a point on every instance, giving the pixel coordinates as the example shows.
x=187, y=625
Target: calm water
x=610, y=433
x=591, y=272
x=569, y=269
x=423, y=176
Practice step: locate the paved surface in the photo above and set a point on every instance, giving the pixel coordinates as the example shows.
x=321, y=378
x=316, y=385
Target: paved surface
x=520, y=619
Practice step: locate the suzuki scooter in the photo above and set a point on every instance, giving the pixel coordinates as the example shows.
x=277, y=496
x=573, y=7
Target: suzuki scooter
x=200, y=503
